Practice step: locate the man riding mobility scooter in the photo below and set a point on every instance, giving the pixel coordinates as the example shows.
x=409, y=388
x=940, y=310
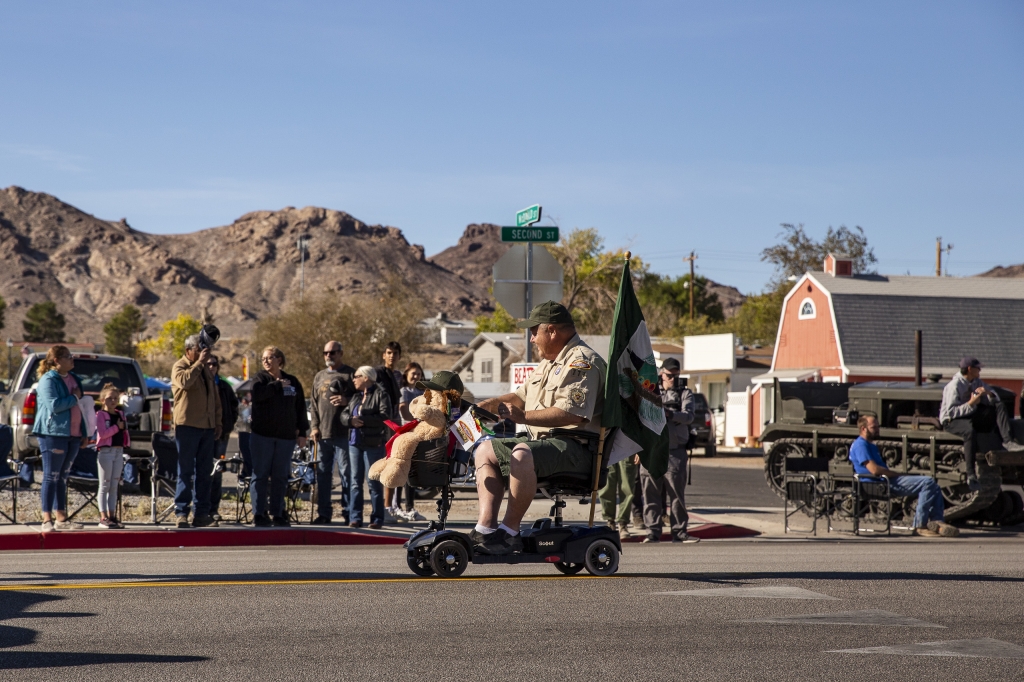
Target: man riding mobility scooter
x=571, y=548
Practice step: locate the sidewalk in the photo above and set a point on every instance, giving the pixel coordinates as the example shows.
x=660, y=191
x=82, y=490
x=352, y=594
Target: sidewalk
x=707, y=526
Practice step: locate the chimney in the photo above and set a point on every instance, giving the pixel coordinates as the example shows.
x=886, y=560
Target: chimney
x=838, y=265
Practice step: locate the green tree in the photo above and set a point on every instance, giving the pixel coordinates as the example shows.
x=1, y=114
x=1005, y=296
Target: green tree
x=591, y=278
x=757, y=320
x=122, y=331
x=797, y=253
x=499, y=321
x=171, y=339
x=363, y=325
x=668, y=300
x=43, y=324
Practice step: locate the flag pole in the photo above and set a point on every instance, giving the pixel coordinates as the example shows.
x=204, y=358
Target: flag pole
x=600, y=456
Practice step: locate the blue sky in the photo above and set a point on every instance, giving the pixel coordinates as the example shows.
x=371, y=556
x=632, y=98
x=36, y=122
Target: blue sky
x=667, y=126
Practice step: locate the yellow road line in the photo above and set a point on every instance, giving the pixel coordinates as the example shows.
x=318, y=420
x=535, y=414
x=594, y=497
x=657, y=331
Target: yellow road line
x=230, y=583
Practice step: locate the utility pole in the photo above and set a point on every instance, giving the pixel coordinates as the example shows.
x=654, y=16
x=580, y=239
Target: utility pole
x=692, y=257
x=938, y=256
x=303, y=243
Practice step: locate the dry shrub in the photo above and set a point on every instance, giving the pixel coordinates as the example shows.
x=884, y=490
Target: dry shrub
x=363, y=325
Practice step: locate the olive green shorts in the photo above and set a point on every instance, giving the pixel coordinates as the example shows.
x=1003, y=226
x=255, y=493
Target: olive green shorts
x=550, y=456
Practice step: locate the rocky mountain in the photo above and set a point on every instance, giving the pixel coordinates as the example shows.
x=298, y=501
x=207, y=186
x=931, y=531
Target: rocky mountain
x=239, y=272
x=473, y=258
x=1000, y=271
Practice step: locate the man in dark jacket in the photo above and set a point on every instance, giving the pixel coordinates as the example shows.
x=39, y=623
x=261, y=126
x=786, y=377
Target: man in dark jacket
x=678, y=402
x=332, y=389
x=389, y=376
x=229, y=415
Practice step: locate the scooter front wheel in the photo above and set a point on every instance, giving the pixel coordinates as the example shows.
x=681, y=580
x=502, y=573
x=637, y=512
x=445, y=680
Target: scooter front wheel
x=449, y=559
x=567, y=568
x=602, y=558
x=420, y=564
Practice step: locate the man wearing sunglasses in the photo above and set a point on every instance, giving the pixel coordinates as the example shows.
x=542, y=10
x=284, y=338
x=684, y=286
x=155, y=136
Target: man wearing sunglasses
x=332, y=388
x=229, y=412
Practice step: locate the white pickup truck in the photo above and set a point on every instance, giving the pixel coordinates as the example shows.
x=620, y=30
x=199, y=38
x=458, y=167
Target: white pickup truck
x=18, y=407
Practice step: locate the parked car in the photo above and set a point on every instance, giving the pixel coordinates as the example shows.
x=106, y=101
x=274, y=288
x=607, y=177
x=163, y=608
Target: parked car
x=18, y=406
x=702, y=430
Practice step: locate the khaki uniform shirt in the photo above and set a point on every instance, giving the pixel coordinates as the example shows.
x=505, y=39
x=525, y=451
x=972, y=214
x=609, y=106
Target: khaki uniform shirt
x=573, y=381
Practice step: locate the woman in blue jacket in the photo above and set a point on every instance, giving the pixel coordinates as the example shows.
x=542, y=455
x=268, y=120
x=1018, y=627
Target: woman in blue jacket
x=59, y=430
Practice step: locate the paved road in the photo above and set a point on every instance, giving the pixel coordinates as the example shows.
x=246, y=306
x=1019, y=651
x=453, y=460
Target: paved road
x=361, y=616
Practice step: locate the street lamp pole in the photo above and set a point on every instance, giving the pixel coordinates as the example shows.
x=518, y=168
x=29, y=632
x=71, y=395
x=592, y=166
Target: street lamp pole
x=303, y=243
x=10, y=365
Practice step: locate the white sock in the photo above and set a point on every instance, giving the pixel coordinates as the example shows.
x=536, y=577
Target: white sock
x=484, y=530
x=508, y=530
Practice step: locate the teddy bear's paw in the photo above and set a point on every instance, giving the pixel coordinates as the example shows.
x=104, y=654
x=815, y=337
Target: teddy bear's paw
x=376, y=469
x=396, y=475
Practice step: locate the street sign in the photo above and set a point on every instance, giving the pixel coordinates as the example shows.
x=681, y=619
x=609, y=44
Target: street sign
x=528, y=216
x=510, y=279
x=547, y=235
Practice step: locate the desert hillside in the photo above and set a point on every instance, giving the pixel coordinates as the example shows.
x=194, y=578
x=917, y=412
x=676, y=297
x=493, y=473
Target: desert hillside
x=239, y=272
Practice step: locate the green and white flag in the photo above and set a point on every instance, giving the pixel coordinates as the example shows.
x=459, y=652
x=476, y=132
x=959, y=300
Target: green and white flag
x=631, y=399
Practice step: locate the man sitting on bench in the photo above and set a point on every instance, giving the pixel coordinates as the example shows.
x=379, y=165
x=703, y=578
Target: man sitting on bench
x=867, y=461
x=565, y=391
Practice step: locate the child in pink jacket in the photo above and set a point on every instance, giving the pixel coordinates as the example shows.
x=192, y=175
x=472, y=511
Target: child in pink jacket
x=112, y=439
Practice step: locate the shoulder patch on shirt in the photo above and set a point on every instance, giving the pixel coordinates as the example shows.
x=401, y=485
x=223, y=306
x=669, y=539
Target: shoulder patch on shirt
x=577, y=397
x=580, y=364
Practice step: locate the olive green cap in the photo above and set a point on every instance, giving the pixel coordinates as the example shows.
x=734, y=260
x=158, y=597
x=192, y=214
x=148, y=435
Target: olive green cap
x=442, y=381
x=547, y=312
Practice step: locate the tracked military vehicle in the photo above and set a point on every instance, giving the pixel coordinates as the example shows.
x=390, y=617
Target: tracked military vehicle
x=820, y=420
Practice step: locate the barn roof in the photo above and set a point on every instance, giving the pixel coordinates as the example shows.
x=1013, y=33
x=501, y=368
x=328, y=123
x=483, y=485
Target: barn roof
x=876, y=317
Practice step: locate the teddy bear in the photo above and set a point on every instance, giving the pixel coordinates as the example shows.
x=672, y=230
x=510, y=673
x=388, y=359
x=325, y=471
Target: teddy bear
x=431, y=422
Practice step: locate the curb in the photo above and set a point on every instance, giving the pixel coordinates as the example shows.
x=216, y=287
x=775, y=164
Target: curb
x=707, y=531
x=143, y=539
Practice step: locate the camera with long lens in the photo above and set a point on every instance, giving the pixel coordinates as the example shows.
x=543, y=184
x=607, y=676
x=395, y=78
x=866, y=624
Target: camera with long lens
x=208, y=336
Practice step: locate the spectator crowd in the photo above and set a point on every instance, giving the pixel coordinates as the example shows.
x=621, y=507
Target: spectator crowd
x=351, y=413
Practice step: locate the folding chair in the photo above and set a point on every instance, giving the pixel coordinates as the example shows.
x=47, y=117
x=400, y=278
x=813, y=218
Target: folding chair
x=8, y=477
x=163, y=476
x=243, y=503
x=803, y=490
x=869, y=492
x=302, y=480
x=84, y=479
x=9, y=480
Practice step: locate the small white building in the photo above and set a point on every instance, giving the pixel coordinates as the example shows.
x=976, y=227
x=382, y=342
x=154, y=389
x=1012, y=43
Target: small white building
x=448, y=332
x=491, y=353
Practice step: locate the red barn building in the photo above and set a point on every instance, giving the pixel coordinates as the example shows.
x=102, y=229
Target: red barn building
x=836, y=326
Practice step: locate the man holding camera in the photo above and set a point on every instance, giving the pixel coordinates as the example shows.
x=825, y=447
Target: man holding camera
x=197, y=426
x=332, y=387
x=678, y=402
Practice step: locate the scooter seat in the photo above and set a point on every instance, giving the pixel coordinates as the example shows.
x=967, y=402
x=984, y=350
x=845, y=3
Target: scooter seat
x=567, y=481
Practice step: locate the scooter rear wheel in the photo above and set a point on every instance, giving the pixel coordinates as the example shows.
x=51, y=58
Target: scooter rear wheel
x=420, y=564
x=602, y=558
x=567, y=568
x=449, y=559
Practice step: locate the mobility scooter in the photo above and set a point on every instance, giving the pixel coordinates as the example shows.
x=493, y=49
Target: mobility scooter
x=447, y=553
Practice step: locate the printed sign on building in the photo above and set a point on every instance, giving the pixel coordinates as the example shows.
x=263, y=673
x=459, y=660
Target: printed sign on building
x=518, y=374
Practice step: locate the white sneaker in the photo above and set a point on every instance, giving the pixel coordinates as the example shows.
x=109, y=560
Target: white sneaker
x=68, y=525
x=410, y=515
x=390, y=515
x=47, y=526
